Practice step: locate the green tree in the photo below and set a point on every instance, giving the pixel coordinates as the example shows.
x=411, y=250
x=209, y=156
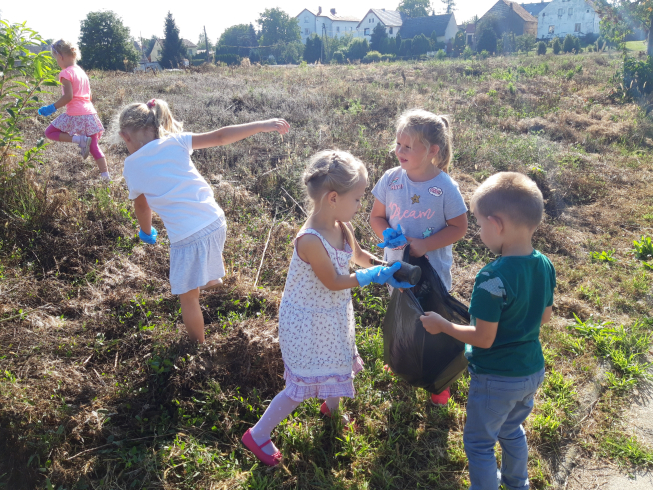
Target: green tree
x=358, y=48
x=541, y=48
x=415, y=8
x=388, y=46
x=459, y=43
x=621, y=17
x=557, y=47
x=398, y=42
x=406, y=47
x=377, y=37
x=486, y=38
x=277, y=27
x=450, y=5
x=313, y=49
x=568, y=44
x=202, y=44
x=236, y=40
x=173, y=51
x=105, y=43
x=421, y=45
x=525, y=43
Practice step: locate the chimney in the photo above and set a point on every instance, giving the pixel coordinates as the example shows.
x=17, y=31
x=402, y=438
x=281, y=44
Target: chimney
x=333, y=11
x=319, y=11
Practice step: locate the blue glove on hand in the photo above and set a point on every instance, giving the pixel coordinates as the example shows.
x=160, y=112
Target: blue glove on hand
x=149, y=239
x=401, y=285
x=46, y=110
x=378, y=274
x=393, y=238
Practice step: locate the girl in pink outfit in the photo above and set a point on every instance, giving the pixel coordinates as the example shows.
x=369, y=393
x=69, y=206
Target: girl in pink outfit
x=80, y=124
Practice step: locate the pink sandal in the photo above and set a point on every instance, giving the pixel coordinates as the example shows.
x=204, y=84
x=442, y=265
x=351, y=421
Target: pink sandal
x=349, y=424
x=268, y=459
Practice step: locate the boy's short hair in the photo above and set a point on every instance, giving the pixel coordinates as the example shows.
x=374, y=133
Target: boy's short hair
x=512, y=194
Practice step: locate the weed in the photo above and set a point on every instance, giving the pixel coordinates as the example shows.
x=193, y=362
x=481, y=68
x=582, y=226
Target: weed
x=643, y=248
x=603, y=256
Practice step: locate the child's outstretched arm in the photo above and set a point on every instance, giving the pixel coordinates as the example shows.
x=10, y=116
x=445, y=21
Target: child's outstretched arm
x=450, y=234
x=231, y=134
x=143, y=214
x=480, y=335
x=63, y=100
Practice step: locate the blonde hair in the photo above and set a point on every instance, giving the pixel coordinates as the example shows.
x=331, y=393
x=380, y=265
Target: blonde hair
x=512, y=194
x=430, y=129
x=155, y=114
x=332, y=170
x=64, y=48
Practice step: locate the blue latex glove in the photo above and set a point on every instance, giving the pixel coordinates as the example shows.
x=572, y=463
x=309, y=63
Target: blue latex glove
x=46, y=110
x=378, y=274
x=393, y=238
x=149, y=239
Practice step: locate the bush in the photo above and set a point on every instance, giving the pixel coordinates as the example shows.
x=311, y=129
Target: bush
x=541, y=48
x=420, y=45
x=487, y=38
x=406, y=47
x=372, y=56
x=339, y=57
x=468, y=53
x=313, y=49
x=484, y=54
x=358, y=49
x=557, y=47
x=569, y=44
x=388, y=57
x=228, y=59
x=388, y=46
x=577, y=45
x=638, y=76
x=441, y=54
x=525, y=43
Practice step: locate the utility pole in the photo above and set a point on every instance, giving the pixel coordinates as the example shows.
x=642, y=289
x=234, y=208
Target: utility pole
x=206, y=42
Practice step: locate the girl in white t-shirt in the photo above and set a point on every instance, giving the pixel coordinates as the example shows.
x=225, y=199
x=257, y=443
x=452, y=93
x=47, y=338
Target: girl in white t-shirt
x=161, y=177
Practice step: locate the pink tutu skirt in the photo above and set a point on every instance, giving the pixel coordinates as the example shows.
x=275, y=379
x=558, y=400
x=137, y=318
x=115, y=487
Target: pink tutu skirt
x=299, y=389
x=87, y=125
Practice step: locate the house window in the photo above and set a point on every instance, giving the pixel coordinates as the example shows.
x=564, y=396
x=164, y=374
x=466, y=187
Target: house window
x=577, y=28
x=307, y=31
x=543, y=14
x=390, y=31
x=306, y=19
x=561, y=11
x=571, y=11
x=366, y=32
x=337, y=29
x=552, y=29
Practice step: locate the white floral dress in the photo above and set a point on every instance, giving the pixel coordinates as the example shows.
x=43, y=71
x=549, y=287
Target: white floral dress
x=316, y=330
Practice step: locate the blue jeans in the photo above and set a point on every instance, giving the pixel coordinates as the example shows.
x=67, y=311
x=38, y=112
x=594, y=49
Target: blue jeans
x=496, y=408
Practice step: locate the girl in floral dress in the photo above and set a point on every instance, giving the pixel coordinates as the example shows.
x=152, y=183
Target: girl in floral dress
x=80, y=123
x=316, y=316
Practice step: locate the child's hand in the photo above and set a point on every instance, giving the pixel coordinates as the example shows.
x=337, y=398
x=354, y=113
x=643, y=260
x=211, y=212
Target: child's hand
x=417, y=246
x=278, y=125
x=378, y=274
x=149, y=239
x=392, y=238
x=46, y=110
x=433, y=323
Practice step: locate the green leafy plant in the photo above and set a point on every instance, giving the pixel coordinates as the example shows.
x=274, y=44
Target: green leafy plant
x=603, y=256
x=643, y=248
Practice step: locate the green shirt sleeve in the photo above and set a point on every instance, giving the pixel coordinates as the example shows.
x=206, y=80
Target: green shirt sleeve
x=488, y=297
x=553, y=283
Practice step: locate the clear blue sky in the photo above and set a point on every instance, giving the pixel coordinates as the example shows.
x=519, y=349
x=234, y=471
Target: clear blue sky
x=59, y=19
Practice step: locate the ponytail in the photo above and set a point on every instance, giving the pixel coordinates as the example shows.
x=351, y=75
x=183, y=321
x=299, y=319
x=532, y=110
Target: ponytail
x=155, y=114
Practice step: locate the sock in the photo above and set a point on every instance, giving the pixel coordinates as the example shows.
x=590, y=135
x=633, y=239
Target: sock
x=280, y=407
x=333, y=403
x=77, y=139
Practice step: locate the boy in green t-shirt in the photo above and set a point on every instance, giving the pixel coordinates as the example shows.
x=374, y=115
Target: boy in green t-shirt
x=512, y=298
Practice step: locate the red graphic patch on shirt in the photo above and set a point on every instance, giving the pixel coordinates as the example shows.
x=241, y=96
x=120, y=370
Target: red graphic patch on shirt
x=435, y=191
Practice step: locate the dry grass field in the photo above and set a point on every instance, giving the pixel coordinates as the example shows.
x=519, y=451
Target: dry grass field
x=99, y=388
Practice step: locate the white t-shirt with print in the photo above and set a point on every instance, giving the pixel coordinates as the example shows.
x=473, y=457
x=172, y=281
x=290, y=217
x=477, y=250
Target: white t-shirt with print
x=163, y=171
x=422, y=209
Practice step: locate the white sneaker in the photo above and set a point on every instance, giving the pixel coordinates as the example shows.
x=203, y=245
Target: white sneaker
x=105, y=177
x=84, y=146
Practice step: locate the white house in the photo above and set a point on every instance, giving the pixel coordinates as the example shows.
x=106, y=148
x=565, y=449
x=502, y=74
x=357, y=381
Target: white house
x=330, y=24
x=562, y=17
x=391, y=19
x=155, y=55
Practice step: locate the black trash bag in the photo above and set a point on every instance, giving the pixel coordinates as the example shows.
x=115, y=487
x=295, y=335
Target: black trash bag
x=423, y=360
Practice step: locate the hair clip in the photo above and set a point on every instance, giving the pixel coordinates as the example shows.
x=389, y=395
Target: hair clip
x=151, y=103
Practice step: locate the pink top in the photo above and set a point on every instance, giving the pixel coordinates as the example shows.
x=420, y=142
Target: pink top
x=81, y=104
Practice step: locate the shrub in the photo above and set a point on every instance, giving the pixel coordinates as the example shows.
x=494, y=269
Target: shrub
x=638, y=76
x=358, y=49
x=468, y=53
x=441, y=54
x=487, y=38
x=388, y=46
x=525, y=43
x=541, y=47
x=484, y=54
x=372, y=56
x=405, y=49
x=420, y=45
x=568, y=44
x=387, y=57
x=577, y=44
x=556, y=46
x=313, y=49
x=229, y=59
x=339, y=57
